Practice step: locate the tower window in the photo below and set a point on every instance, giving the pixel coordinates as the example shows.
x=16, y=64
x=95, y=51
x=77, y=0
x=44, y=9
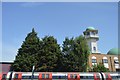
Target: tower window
x=93, y=33
x=88, y=33
x=94, y=48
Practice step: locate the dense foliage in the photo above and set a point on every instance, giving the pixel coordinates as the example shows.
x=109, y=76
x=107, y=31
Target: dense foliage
x=27, y=53
x=47, y=55
x=76, y=54
x=99, y=68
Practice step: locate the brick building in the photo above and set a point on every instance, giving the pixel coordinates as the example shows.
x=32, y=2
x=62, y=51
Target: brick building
x=5, y=66
x=111, y=60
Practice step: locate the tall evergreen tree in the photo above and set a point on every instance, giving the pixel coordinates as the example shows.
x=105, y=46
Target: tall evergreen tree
x=81, y=51
x=76, y=54
x=67, y=50
x=46, y=54
x=26, y=56
x=50, y=54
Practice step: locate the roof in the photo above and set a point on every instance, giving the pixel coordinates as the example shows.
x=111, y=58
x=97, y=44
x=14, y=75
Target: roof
x=90, y=28
x=6, y=62
x=114, y=51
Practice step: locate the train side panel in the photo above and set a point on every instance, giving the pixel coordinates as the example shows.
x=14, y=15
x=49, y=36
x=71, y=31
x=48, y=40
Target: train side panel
x=86, y=76
x=0, y=76
x=17, y=76
x=45, y=76
x=73, y=76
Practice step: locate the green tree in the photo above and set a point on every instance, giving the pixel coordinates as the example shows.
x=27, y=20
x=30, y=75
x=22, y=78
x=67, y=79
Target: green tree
x=99, y=68
x=68, y=54
x=49, y=55
x=81, y=50
x=76, y=53
x=46, y=54
x=27, y=54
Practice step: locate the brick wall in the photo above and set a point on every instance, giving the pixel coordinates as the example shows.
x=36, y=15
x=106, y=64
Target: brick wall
x=99, y=58
x=5, y=66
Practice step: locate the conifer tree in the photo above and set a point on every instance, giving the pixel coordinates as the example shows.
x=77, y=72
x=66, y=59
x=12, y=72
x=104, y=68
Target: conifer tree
x=50, y=54
x=76, y=53
x=26, y=56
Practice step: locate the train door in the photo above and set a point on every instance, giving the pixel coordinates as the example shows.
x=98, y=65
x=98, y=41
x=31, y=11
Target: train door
x=97, y=76
x=45, y=76
x=17, y=76
x=0, y=76
x=73, y=76
x=3, y=76
x=108, y=77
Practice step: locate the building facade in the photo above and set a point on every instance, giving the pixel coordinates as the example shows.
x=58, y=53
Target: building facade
x=110, y=60
x=5, y=66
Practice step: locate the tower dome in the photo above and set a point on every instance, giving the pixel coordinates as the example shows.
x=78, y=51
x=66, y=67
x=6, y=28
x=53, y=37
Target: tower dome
x=90, y=28
x=114, y=51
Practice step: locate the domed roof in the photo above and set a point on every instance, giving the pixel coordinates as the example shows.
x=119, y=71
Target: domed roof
x=114, y=51
x=90, y=28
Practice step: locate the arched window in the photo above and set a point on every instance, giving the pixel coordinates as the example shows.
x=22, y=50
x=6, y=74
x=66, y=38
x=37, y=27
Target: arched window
x=116, y=60
x=105, y=60
x=94, y=59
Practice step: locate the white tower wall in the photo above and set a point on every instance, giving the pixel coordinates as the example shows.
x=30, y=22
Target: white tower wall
x=92, y=37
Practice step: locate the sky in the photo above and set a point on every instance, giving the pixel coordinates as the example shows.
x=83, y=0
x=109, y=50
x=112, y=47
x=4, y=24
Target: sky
x=58, y=19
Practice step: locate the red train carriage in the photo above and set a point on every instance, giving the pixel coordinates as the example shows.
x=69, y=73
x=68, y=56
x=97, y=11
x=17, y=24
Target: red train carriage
x=3, y=76
x=58, y=76
x=45, y=76
x=73, y=76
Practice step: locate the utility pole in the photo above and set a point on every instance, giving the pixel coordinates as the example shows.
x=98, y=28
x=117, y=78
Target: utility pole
x=33, y=72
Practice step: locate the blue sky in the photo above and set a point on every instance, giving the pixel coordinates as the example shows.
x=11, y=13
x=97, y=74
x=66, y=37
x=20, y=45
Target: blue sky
x=59, y=20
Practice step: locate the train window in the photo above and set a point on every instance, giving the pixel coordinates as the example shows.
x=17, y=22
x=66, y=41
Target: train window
x=35, y=77
x=29, y=77
x=55, y=77
x=26, y=77
x=118, y=77
x=63, y=77
x=86, y=77
x=16, y=76
x=90, y=77
x=107, y=76
x=4, y=76
x=114, y=77
x=97, y=76
x=47, y=75
x=59, y=77
x=71, y=75
x=43, y=75
x=74, y=76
